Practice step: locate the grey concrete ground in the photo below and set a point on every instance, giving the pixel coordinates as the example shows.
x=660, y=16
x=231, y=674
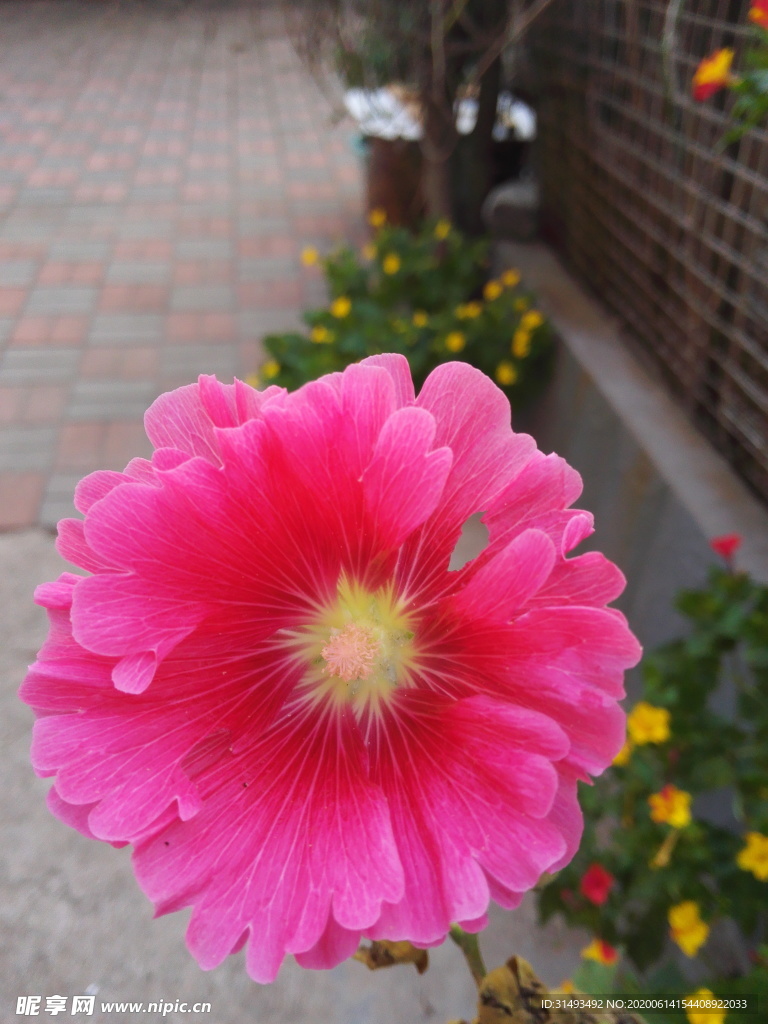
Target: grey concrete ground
x=72, y=916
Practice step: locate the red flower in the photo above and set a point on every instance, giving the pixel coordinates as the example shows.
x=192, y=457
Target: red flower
x=596, y=883
x=727, y=545
x=758, y=13
x=601, y=952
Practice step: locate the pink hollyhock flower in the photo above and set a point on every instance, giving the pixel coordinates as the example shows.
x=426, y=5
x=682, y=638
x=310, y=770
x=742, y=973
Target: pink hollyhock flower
x=596, y=883
x=274, y=688
x=726, y=546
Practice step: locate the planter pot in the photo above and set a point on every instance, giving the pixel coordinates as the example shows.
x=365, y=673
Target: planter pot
x=393, y=179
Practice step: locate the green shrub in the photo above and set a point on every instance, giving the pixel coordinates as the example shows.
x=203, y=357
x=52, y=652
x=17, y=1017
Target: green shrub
x=421, y=295
x=652, y=865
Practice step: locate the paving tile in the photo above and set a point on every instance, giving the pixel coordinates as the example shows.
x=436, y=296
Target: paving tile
x=20, y=497
x=137, y=272
x=125, y=328
x=110, y=399
x=18, y=273
x=146, y=236
x=11, y=301
x=44, y=403
x=26, y=448
x=201, y=297
x=139, y=298
x=12, y=401
x=134, y=363
x=268, y=294
x=188, y=272
x=71, y=273
x=254, y=324
x=52, y=299
x=58, y=498
x=268, y=269
x=125, y=440
x=184, y=363
x=80, y=445
x=78, y=250
x=203, y=249
x=36, y=366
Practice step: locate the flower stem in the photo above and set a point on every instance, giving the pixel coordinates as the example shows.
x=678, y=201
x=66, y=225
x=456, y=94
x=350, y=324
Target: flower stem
x=470, y=947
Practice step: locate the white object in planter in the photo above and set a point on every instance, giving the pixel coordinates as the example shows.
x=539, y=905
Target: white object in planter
x=388, y=114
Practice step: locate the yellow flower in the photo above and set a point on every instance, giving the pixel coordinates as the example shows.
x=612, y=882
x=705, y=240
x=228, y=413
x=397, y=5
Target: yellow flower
x=391, y=263
x=420, y=318
x=506, y=374
x=254, y=380
x=369, y=251
x=712, y=74
x=758, y=13
x=521, y=304
x=754, y=856
x=309, y=256
x=705, y=1015
x=532, y=320
x=442, y=228
x=566, y=986
x=455, y=341
x=469, y=311
x=623, y=755
x=672, y=806
x=510, y=278
x=321, y=335
x=377, y=218
x=599, y=950
x=521, y=343
x=648, y=724
x=492, y=291
x=270, y=369
x=687, y=928
x=340, y=307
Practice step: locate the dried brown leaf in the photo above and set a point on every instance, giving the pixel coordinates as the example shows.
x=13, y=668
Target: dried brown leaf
x=387, y=954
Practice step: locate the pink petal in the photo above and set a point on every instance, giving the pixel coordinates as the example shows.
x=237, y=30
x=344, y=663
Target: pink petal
x=589, y=580
x=509, y=581
x=256, y=858
x=186, y=418
x=399, y=370
x=482, y=809
x=334, y=946
x=546, y=485
x=72, y=545
x=473, y=420
x=404, y=480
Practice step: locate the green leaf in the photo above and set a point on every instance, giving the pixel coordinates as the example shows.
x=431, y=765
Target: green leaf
x=591, y=976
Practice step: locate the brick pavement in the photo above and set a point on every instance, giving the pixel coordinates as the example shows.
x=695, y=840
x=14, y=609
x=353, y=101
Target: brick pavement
x=162, y=164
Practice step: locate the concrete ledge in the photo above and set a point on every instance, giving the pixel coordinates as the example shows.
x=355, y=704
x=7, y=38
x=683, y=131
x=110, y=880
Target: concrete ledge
x=658, y=489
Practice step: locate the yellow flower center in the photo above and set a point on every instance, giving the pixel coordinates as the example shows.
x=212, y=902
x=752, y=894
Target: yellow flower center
x=359, y=649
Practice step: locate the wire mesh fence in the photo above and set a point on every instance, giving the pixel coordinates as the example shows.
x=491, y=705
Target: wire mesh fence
x=666, y=225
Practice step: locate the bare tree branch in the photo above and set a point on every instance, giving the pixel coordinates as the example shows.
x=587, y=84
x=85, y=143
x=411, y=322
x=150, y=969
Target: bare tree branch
x=516, y=27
